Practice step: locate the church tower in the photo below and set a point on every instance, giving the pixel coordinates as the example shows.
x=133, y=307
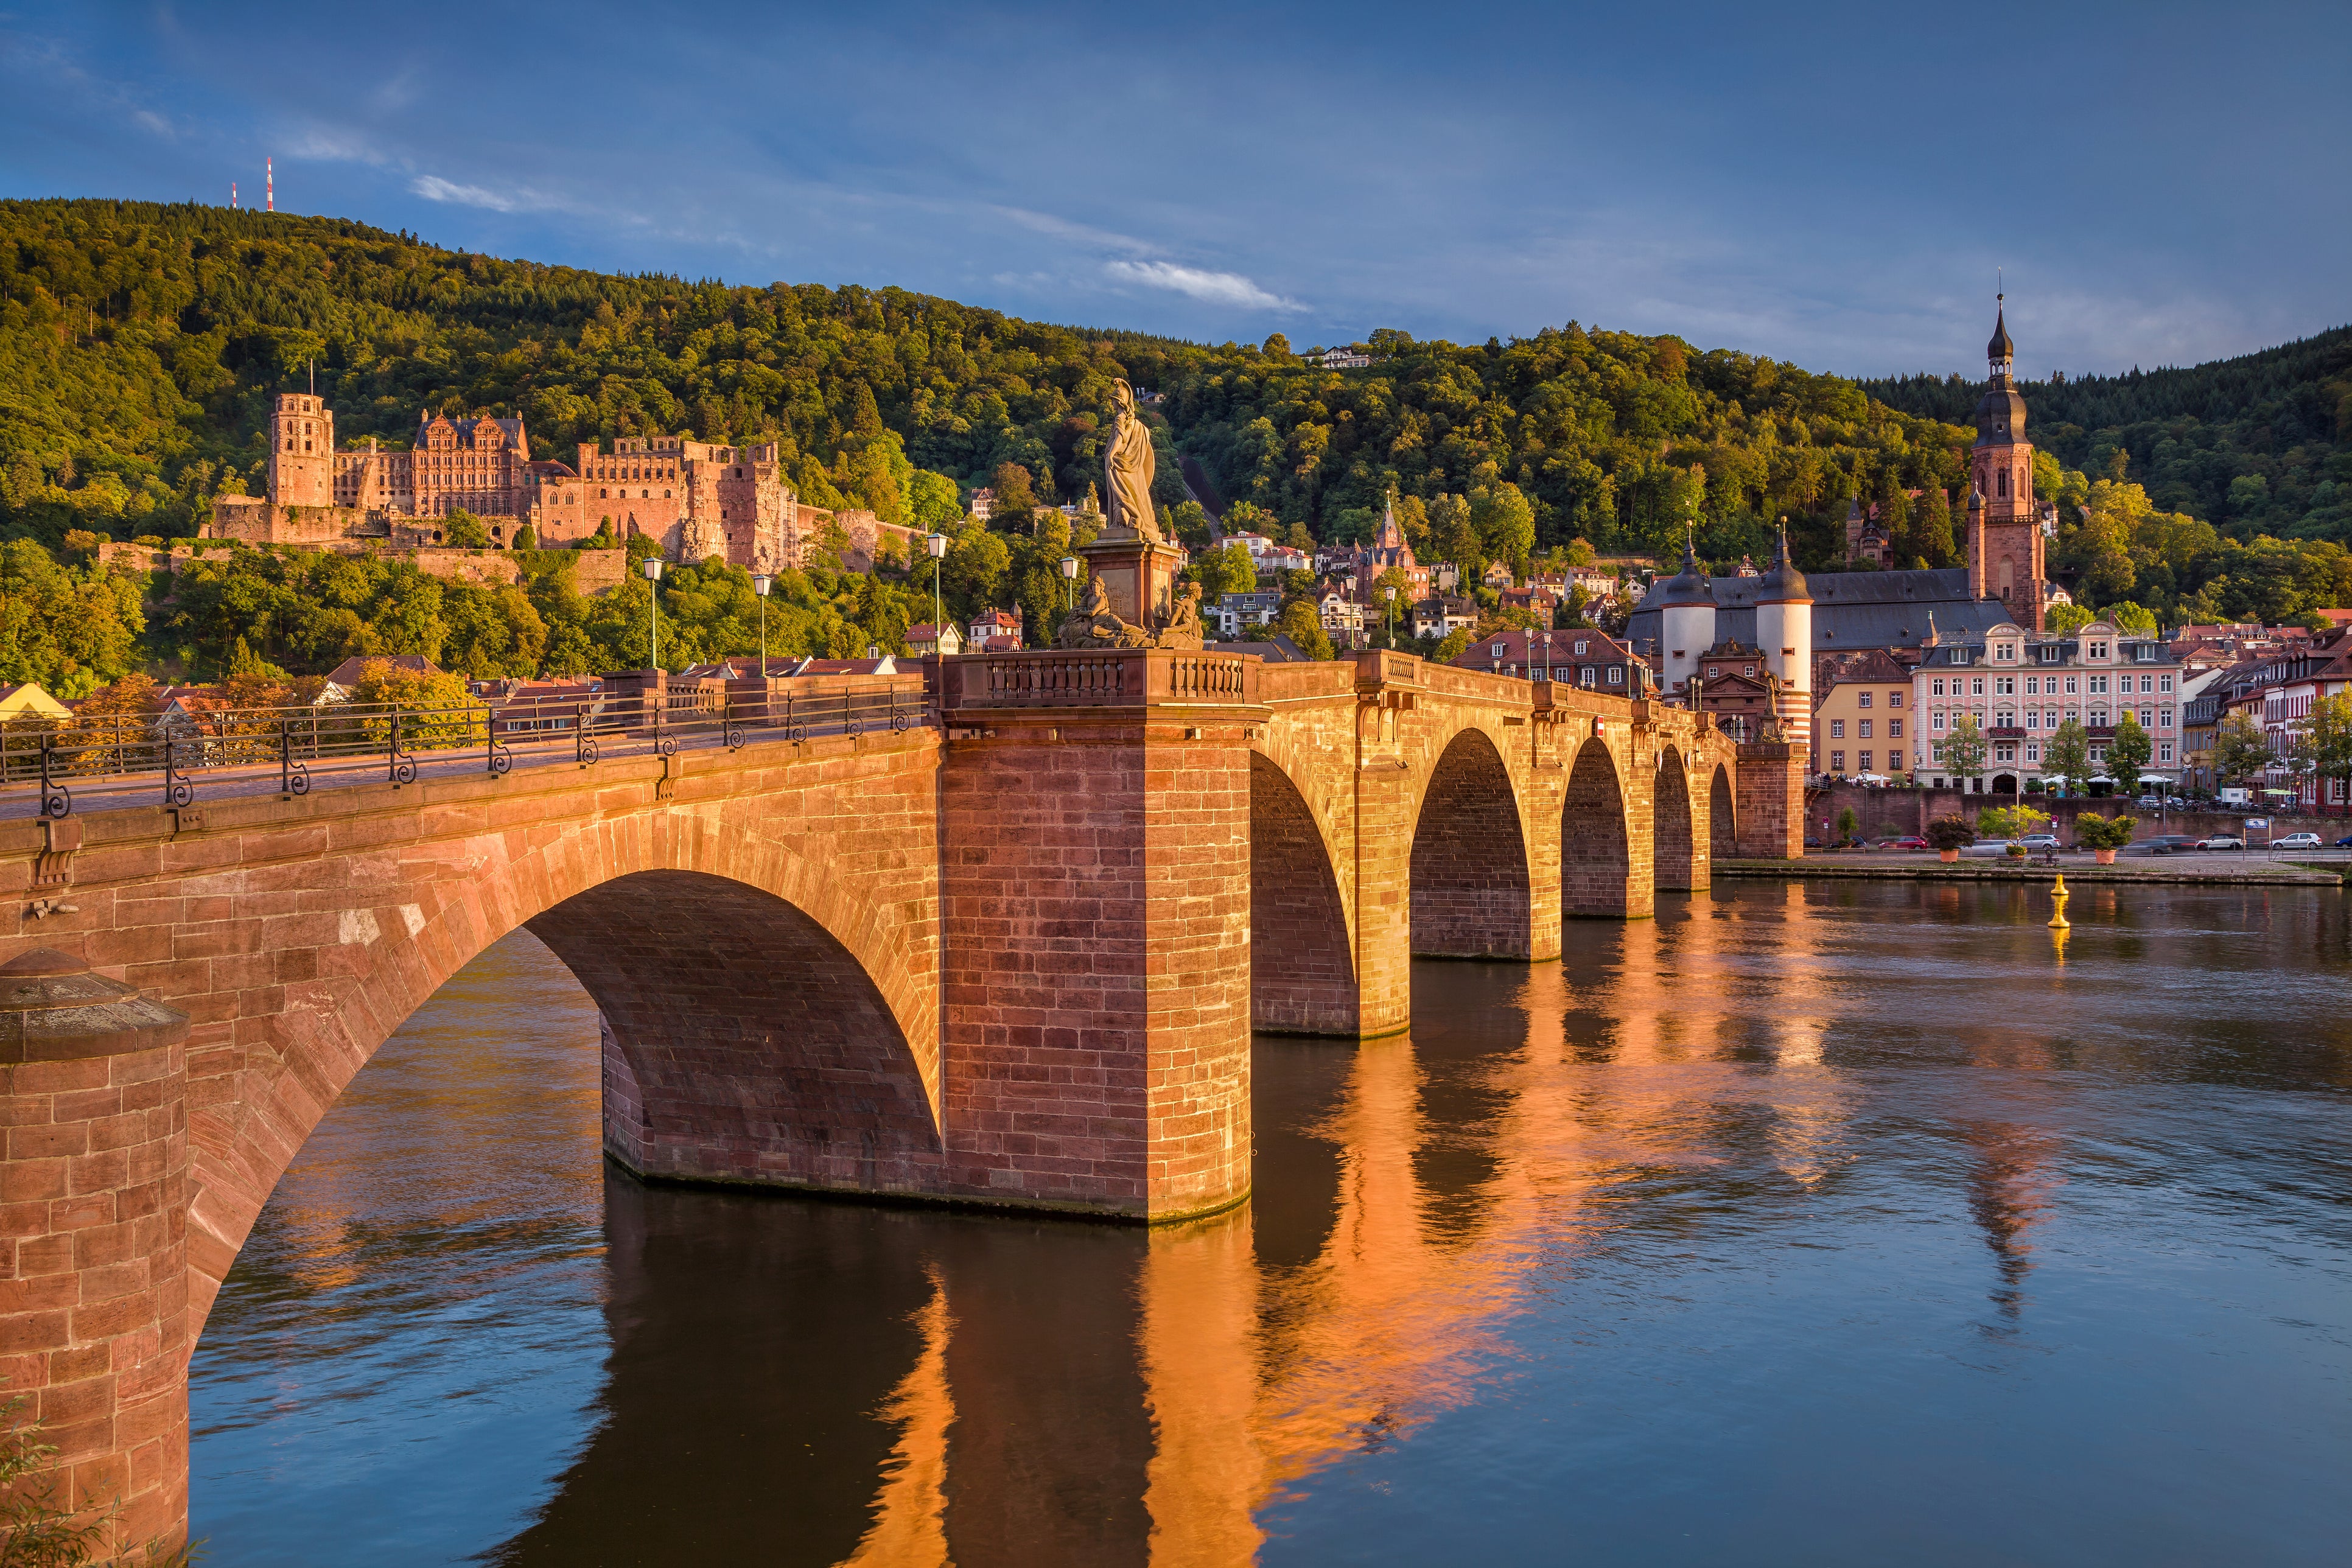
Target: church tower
x=301, y=452
x=2004, y=531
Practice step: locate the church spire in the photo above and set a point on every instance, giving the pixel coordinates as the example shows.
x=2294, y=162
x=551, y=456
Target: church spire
x=2000, y=353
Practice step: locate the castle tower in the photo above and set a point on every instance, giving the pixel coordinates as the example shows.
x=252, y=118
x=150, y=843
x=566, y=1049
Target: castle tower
x=301, y=451
x=2004, y=543
x=1784, y=633
x=1687, y=625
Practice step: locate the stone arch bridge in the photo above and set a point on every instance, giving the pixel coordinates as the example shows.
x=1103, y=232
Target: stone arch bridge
x=1012, y=955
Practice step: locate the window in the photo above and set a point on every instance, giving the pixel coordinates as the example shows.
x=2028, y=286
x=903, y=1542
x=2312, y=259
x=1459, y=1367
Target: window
x=1837, y=728
x=1863, y=729
x=2098, y=718
x=2164, y=752
x=2164, y=718
x=2098, y=685
x=2033, y=752
x=1496, y=651
x=1975, y=687
x=2164, y=683
x=1861, y=699
x=1713, y=670
x=2070, y=685
x=2033, y=686
x=2147, y=719
x=2005, y=651
x=1616, y=675
x=1837, y=762
x=1864, y=760
x=2098, y=650
x=1749, y=670
x=2005, y=686
x=2147, y=683
x=1895, y=700
x=1580, y=644
x=1894, y=729
x=1936, y=687
x=2032, y=719
x=1940, y=719
x=2005, y=752
x=2004, y=721
x=1584, y=677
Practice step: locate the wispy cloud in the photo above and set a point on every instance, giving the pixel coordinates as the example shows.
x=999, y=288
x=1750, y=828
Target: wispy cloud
x=523, y=199
x=1193, y=283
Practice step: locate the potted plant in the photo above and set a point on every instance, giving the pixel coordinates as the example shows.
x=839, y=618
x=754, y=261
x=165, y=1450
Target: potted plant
x=1950, y=835
x=2102, y=835
x=2009, y=822
x=1849, y=828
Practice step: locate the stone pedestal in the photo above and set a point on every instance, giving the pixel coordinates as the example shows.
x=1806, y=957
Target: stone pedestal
x=1772, y=809
x=93, y=1257
x=1139, y=573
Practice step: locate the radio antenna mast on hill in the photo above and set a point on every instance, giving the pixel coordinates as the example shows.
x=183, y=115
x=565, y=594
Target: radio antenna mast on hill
x=232, y=195
x=270, y=180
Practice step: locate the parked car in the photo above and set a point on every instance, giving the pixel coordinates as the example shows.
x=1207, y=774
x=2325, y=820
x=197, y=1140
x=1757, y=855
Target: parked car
x=1988, y=848
x=1908, y=841
x=2037, y=842
x=2150, y=802
x=2296, y=841
x=2168, y=844
x=2345, y=842
x=2223, y=841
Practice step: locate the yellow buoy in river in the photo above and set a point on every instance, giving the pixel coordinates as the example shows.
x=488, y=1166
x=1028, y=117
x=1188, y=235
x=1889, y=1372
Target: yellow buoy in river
x=2058, y=920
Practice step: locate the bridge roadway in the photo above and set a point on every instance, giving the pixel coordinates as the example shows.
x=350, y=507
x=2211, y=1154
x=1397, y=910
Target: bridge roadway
x=1012, y=955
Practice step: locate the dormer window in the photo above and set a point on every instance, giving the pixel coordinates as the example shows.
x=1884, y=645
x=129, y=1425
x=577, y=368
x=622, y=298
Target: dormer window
x=2007, y=650
x=2098, y=650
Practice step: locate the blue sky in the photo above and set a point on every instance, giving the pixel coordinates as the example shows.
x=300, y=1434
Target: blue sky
x=1830, y=184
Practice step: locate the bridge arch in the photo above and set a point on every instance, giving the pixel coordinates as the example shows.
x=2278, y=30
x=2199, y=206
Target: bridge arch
x=1678, y=863
x=766, y=1019
x=1596, y=849
x=1302, y=960
x=1471, y=891
x=1722, y=826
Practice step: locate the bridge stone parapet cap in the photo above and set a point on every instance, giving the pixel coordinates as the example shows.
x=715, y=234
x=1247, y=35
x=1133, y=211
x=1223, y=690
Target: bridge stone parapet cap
x=1112, y=677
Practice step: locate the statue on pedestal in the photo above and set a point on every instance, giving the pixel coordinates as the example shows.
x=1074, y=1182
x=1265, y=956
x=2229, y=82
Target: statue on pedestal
x=1129, y=465
x=1096, y=625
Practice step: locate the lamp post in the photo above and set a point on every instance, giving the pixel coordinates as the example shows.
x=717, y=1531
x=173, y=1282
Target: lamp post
x=761, y=583
x=1389, y=593
x=653, y=575
x=938, y=546
x=1070, y=577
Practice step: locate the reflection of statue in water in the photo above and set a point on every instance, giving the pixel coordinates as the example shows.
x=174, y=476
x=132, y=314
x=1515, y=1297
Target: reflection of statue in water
x=1129, y=465
x=1096, y=624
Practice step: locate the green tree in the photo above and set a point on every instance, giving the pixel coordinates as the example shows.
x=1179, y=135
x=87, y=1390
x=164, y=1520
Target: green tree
x=1454, y=534
x=2066, y=756
x=1505, y=524
x=1302, y=624
x=2131, y=620
x=933, y=501
x=1964, y=749
x=2325, y=736
x=2129, y=752
x=2093, y=831
x=2241, y=751
x=464, y=531
x=1016, y=496
x=1226, y=570
x=2061, y=619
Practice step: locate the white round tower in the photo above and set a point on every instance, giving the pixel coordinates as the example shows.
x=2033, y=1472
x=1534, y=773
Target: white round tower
x=1685, y=628
x=1784, y=635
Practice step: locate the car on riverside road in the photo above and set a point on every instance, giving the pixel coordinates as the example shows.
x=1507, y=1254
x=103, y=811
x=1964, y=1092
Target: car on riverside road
x=2223, y=841
x=1987, y=848
x=2296, y=841
x=1908, y=841
x=2166, y=844
x=2039, y=843
x=2345, y=842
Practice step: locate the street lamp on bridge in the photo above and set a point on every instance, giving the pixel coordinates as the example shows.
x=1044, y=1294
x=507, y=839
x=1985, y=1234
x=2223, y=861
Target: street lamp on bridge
x=653, y=576
x=761, y=583
x=1070, y=577
x=937, y=544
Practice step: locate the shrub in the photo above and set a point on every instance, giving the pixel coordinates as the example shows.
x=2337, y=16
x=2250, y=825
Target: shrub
x=2093, y=831
x=1951, y=833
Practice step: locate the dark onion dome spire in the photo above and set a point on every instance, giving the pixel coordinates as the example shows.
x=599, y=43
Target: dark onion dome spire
x=2000, y=413
x=1689, y=585
x=1783, y=583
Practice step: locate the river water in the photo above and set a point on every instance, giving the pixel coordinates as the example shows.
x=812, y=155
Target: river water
x=1856, y=1224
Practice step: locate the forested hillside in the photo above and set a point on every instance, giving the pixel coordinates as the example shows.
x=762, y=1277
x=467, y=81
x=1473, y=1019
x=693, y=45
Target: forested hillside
x=140, y=346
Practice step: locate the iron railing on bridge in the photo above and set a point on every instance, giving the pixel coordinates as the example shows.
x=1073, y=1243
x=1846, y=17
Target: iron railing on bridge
x=166, y=757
